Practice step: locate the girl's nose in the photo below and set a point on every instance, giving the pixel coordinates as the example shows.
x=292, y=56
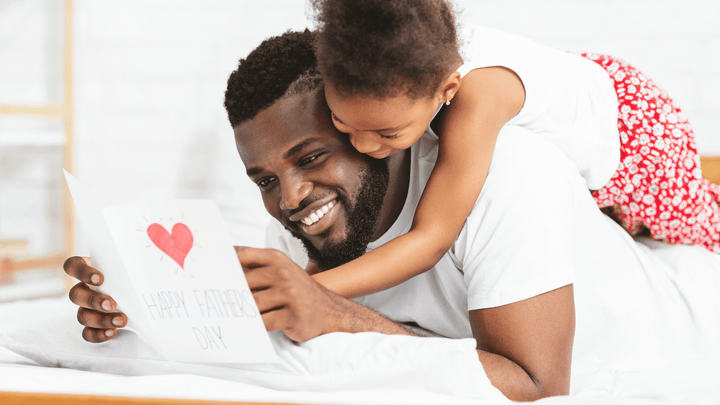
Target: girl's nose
x=364, y=143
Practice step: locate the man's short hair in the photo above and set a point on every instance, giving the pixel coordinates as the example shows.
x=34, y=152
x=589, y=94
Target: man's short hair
x=281, y=66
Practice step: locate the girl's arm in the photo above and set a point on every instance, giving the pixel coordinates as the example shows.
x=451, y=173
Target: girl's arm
x=486, y=100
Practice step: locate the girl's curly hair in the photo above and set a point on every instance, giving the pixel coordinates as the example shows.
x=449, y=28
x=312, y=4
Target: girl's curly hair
x=385, y=48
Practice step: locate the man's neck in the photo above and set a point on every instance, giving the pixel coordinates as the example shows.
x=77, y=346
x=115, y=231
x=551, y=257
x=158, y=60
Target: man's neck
x=399, y=168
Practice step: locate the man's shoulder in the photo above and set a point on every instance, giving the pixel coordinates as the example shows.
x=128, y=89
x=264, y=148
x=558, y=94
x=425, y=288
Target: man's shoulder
x=528, y=157
x=518, y=240
x=528, y=172
x=531, y=185
x=521, y=158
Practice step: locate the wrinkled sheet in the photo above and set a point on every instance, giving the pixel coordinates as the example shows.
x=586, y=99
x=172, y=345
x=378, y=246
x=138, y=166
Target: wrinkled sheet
x=334, y=368
x=650, y=335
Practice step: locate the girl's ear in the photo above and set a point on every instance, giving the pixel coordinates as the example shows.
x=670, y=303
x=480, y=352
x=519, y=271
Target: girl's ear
x=449, y=87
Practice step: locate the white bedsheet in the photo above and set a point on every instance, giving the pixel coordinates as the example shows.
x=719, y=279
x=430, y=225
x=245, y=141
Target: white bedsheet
x=651, y=335
x=335, y=368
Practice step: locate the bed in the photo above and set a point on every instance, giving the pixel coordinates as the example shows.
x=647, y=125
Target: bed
x=43, y=358
x=657, y=343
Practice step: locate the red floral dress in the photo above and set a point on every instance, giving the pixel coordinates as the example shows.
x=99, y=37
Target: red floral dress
x=658, y=184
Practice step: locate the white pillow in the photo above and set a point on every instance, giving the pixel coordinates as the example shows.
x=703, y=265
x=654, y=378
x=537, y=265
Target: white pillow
x=337, y=361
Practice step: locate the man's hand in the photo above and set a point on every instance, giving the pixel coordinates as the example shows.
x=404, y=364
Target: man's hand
x=97, y=311
x=291, y=301
x=287, y=297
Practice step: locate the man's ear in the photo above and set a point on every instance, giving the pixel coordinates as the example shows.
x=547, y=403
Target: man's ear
x=449, y=87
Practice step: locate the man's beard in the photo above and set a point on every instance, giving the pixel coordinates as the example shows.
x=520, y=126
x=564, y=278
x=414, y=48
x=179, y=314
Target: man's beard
x=362, y=218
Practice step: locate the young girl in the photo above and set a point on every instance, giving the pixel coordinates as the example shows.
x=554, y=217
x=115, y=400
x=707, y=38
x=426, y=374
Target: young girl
x=389, y=67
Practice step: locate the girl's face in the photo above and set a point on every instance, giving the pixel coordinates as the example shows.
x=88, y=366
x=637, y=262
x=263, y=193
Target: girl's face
x=380, y=128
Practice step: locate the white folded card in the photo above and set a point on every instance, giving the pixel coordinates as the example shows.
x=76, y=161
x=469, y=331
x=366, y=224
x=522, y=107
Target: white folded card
x=175, y=273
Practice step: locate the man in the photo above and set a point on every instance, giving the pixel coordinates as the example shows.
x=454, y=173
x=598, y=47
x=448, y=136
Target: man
x=507, y=281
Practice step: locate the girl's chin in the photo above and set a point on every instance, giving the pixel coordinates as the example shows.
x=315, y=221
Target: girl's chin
x=383, y=155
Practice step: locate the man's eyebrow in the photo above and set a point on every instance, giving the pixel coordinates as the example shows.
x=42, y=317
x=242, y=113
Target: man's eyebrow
x=299, y=147
x=253, y=171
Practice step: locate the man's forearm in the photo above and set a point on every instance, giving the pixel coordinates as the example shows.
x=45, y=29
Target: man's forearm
x=511, y=379
x=526, y=346
x=354, y=318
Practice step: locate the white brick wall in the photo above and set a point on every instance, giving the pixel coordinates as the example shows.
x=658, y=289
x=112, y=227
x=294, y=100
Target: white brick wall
x=150, y=77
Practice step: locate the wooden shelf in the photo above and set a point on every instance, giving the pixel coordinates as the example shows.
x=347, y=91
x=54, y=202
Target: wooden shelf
x=42, y=110
x=41, y=138
x=711, y=168
x=9, y=247
x=10, y=266
x=63, y=138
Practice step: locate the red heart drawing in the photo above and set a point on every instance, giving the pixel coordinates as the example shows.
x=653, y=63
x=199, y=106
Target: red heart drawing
x=176, y=244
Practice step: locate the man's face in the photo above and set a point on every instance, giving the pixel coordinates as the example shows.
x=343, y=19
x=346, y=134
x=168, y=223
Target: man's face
x=311, y=178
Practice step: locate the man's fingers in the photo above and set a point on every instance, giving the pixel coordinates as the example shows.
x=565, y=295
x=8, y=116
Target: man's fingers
x=251, y=258
x=100, y=320
x=276, y=319
x=283, y=319
x=78, y=268
x=267, y=300
x=93, y=335
x=96, y=309
x=259, y=278
x=83, y=296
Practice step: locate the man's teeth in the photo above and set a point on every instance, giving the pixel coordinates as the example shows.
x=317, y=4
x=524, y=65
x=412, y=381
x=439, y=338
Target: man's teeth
x=315, y=216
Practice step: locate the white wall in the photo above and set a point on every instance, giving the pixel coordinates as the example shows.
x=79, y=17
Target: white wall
x=675, y=42
x=150, y=77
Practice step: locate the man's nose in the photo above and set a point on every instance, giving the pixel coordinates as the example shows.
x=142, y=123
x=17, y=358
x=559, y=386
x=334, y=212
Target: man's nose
x=364, y=143
x=293, y=193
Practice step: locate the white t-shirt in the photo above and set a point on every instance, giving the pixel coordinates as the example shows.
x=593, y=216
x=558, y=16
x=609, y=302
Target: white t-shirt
x=524, y=237
x=535, y=228
x=569, y=100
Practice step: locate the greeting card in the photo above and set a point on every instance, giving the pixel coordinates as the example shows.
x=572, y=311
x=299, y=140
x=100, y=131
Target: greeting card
x=172, y=269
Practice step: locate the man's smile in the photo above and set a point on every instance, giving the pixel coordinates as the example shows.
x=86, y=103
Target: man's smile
x=315, y=216
x=318, y=217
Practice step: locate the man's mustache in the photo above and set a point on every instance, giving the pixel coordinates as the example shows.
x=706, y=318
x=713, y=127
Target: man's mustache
x=306, y=202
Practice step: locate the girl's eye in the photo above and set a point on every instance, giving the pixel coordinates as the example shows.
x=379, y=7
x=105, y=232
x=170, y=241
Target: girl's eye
x=389, y=136
x=338, y=124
